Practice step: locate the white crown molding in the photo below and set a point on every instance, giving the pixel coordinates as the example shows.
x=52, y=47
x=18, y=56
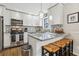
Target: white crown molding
x=17, y=10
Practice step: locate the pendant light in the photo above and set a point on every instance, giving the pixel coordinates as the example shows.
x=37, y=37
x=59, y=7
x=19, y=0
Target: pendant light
x=41, y=14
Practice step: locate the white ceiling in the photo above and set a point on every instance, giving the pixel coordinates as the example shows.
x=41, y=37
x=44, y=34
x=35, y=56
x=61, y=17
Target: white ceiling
x=32, y=8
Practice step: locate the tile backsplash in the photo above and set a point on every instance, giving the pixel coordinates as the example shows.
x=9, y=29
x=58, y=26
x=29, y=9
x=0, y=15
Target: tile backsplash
x=34, y=28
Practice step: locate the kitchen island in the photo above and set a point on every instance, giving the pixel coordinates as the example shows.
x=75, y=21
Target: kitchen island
x=37, y=40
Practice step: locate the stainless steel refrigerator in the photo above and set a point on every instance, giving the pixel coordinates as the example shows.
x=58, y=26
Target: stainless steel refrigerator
x=1, y=33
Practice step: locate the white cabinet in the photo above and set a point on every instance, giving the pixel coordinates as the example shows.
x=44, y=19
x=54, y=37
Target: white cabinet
x=7, y=40
x=56, y=13
x=16, y=15
x=36, y=20
x=2, y=8
x=31, y=20
x=7, y=19
x=25, y=37
x=25, y=19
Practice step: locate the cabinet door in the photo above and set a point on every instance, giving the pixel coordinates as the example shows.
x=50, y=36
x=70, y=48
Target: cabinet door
x=25, y=37
x=2, y=9
x=30, y=20
x=57, y=14
x=25, y=20
x=16, y=15
x=35, y=20
x=7, y=40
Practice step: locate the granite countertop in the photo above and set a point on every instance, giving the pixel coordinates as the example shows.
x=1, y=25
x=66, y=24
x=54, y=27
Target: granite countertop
x=46, y=35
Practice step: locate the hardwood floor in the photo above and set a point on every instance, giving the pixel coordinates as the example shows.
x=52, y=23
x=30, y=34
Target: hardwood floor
x=11, y=52
x=15, y=52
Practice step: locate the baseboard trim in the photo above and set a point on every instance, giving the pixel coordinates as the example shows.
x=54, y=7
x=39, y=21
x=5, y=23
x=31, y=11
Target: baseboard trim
x=76, y=53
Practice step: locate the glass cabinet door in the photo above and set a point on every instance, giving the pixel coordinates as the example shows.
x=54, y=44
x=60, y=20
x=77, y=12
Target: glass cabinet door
x=20, y=37
x=45, y=21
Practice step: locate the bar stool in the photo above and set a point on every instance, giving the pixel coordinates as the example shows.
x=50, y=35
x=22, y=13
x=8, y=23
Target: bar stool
x=51, y=50
x=62, y=46
x=69, y=45
x=67, y=42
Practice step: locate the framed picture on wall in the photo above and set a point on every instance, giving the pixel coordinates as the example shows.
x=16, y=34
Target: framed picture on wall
x=73, y=18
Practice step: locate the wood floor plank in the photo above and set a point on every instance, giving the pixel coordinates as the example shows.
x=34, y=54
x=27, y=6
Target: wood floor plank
x=11, y=52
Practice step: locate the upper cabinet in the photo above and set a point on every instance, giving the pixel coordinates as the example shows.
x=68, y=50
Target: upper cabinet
x=28, y=20
x=36, y=20
x=2, y=9
x=16, y=15
x=56, y=14
x=31, y=20
x=25, y=19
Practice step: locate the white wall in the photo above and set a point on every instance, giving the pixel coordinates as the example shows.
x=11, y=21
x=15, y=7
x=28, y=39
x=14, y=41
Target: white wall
x=73, y=28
